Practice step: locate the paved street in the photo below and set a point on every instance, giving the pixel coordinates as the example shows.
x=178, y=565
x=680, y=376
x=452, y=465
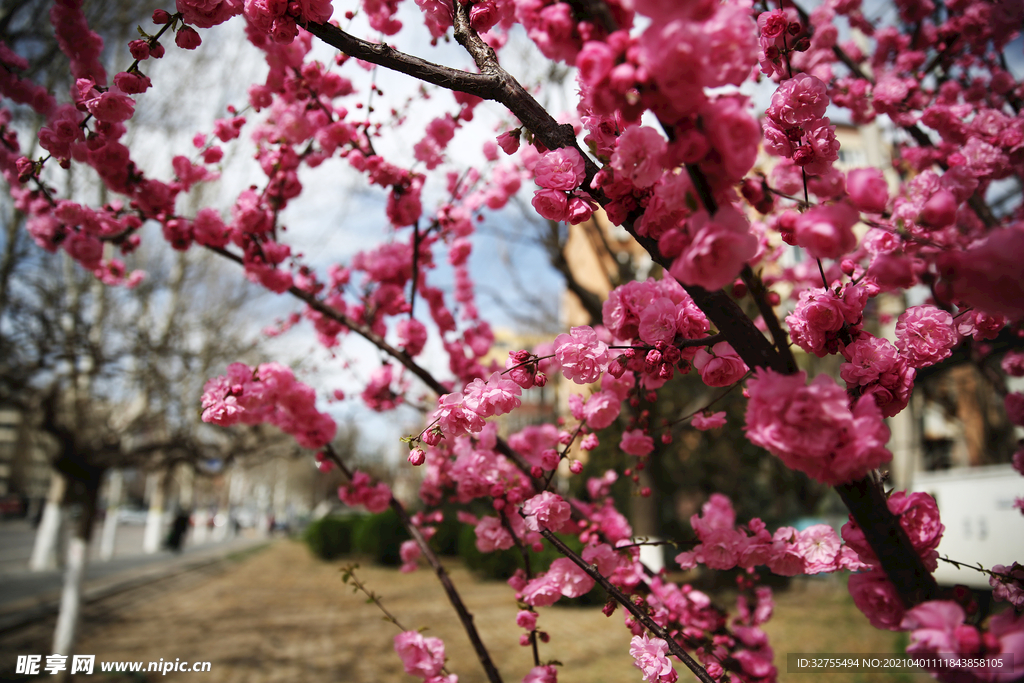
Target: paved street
x=24, y=593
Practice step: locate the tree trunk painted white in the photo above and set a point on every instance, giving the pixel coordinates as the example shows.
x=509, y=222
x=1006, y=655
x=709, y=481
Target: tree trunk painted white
x=153, y=534
x=71, y=596
x=200, y=528
x=44, y=549
x=109, y=538
x=66, y=631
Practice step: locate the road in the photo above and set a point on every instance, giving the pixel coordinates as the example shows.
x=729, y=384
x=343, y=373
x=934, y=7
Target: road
x=19, y=587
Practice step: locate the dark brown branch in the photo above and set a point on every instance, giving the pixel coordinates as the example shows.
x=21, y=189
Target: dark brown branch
x=442, y=575
x=623, y=599
x=757, y=290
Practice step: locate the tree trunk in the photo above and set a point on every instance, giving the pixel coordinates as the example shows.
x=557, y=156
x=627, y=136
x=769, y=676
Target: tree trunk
x=109, y=538
x=44, y=550
x=65, y=633
x=155, y=517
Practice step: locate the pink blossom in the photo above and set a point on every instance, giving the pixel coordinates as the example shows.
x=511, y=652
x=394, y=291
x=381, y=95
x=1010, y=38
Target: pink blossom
x=526, y=619
x=811, y=427
x=560, y=169
x=570, y=580
x=720, y=247
x=187, y=38
x=987, y=275
x=207, y=13
x=635, y=442
x=1014, y=404
x=551, y=204
x=798, y=101
x=547, y=673
x=491, y=535
x=1009, y=586
x=827, y=231
x=509, y=141
x=546, y=510
x=638, y=154
x=925, y=335
x=721, y=367
x=867, y=189
x=421, y=656
x=409, y=552
x=818, y=545
x=580, y=355
x=877, y=599
x=705, y=422
x=496, y=396
x=650, y=655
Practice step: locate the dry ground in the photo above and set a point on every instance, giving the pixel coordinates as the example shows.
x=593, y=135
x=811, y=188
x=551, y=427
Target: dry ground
x=280, y=616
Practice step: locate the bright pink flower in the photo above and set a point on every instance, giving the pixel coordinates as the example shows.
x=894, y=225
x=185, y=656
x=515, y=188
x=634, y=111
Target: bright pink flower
x=546, y=510
x=580, y=355
x=601, y=409
x=551, y=204
x=721, y=367
x=811, y=427
x=491, y=535
x=877, y=599
x=925, y=335
x=798, y=101
x=867, y=189
x=827, y=231
x=987, y=275
x=560, y=169
x=720, y=247
x=1009, y=586
x=638, y=154
x=635, y=442
x=409, y=551
x=818, y=545
x=705, y=422
x=547, y=673
x=650, y=655
x=570, y=580
x=526, y=619
x=423, y=657
x=187, y=38
x=658, y=322
x=207, y=13
x=509, y=141
x=919, y=517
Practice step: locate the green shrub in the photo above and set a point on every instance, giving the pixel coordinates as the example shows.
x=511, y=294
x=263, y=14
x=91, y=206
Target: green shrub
x=380, y=536
x=331, y=537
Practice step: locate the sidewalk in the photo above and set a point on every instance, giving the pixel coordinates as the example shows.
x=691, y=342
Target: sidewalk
x=28, y=596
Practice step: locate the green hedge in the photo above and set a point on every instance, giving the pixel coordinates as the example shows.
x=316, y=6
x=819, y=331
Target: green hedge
x=331, y=537
x=380, y=536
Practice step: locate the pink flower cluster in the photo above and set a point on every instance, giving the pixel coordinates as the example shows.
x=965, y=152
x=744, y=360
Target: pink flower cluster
x=795, y=126
x=279, y=19
x=375, y=498
x=559, y=173
x=720, y=367
x=581, y=356
x=925, y=335
x=811, y=428
x=423, y=657
x=786, y=552
x=459, y=414
x=269, y=393
x=562, y=579
x=650, y=655
x=822, y=319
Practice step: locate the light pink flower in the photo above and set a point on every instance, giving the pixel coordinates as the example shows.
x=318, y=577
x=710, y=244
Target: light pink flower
x=638, y=154
x=580, y=354
x=925, y=335
x=547, y=673
x=867, y=189
x=720, y=247
x=827, y=231
x=635, y=442
x=422, y=657
x=551, y=204
x=818, y=545
x=650, y=655
x=560, y=169
x=877, y=599
x=546, y=510
x=720, y=368
x=705, y=422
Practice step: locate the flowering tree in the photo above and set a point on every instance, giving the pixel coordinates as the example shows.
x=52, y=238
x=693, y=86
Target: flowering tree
x=680, y=181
